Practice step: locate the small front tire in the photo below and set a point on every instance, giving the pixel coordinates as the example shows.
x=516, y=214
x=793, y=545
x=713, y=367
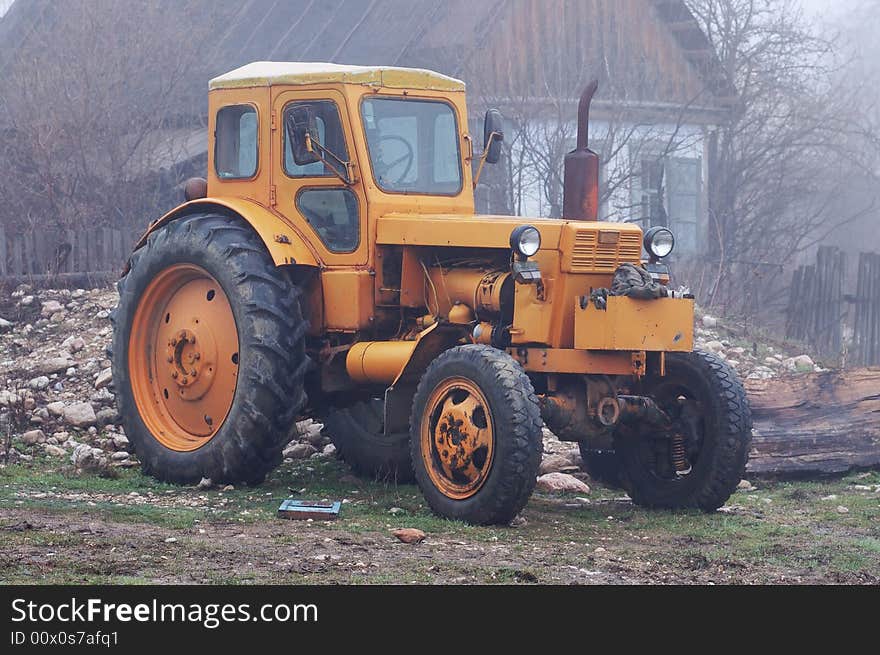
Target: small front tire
x=476, y=436
x=701, y=393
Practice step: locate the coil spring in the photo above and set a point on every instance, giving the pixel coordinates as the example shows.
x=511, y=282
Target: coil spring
x=679, y=456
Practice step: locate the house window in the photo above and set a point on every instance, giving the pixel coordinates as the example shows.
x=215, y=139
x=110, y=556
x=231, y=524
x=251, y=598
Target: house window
x=667, y=192
x=235, y=144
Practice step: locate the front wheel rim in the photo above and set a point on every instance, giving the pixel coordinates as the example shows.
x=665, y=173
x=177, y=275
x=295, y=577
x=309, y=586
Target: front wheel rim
x=183, y=357
x=457, y=438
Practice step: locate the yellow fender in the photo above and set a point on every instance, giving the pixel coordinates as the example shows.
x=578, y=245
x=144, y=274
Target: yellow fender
x=284, y=242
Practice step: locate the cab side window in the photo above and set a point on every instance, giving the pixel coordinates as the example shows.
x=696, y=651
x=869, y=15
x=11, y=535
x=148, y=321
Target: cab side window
x=235, y=143
x=330, y=134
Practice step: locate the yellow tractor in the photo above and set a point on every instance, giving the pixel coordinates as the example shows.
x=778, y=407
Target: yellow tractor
x=332, y=264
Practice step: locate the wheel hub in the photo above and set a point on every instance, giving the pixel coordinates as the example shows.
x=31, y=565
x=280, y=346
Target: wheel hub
x=184, y=357
x=458, y=442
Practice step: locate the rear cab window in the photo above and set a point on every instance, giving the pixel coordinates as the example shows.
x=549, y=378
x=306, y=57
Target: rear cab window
x=236, y=142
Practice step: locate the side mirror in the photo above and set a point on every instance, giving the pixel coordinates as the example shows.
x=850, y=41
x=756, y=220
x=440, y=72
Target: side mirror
x=493, y=135
x=303, y=130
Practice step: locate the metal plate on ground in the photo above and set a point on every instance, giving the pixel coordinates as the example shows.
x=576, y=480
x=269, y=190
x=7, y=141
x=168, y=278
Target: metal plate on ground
x=309, y=509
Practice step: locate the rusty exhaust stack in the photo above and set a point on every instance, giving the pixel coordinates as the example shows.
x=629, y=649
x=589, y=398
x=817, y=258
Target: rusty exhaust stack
x=580, y=196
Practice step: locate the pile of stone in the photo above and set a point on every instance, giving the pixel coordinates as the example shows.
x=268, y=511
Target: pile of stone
x=56, y=386
x=752, y=361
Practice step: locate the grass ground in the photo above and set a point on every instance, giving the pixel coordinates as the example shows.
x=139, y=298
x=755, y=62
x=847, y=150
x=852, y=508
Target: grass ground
x=56, y=527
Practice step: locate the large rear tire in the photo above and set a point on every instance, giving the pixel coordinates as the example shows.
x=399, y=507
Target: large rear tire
x=708, y=404
x=208, y=353
x=358, y=432
x=475, y=435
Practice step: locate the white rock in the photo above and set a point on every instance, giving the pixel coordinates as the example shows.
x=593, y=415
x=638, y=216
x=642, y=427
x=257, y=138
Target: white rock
x=54, y=451
x=51, y=307
x=204, y=483
x=714, y=346
x=53, y=365
x=329, y=450
x=104, y=379
x=801, y=363
x=299, y=451
x=561, y=483
x=842, y=510
x=710, y=321
x=56, y=408
x=40, y=382
x=555, y=463
x=33, y=437
x=120, y=441
x=73, y=344
x=80, y=415
x=5, y=325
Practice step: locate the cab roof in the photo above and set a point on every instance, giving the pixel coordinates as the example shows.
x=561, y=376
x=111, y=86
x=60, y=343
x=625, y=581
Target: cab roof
x=278, y=73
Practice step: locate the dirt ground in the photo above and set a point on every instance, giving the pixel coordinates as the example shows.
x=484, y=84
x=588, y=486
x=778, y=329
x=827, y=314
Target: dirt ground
x=57, y=526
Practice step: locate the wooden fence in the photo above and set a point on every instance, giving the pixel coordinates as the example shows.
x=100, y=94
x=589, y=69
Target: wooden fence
x=93, y=250
x=866, y=316
x=815, y=308
x=836, y=314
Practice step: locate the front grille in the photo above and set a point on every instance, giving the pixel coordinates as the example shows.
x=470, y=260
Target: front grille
x=590, y=256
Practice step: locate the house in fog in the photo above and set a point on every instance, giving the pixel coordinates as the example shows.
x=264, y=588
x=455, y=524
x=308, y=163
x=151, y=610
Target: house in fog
x=661, y=88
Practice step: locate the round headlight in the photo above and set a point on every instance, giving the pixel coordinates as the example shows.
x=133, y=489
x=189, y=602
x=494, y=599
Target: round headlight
x=525, y=240
x=659, y=241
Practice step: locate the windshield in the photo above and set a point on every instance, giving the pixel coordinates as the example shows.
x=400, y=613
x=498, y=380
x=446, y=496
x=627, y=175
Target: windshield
x=413, y=145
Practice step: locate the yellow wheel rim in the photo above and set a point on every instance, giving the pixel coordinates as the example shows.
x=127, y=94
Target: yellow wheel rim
x=183, y=357
x=457, y=438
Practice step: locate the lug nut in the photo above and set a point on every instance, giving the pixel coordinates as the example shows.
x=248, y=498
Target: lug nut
x=193, y=372
x=184, y=381
x=169, y=359
x=174, y=374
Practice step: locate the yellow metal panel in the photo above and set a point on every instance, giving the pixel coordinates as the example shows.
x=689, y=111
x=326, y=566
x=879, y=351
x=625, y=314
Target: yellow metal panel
x=599, y=248
x=665, y=324
x=532, y=316
x=275, y=73
x=565, y=360
x=348, y=299
x=461, y=230
x=378, y=362
x=285, y=244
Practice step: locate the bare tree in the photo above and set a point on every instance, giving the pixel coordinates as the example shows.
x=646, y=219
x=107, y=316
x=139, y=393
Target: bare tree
x=95, y=114
x=797, y=136
x=634, y=119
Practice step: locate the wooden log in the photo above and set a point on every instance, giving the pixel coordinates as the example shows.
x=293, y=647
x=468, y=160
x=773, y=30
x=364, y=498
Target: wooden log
x=822, y=423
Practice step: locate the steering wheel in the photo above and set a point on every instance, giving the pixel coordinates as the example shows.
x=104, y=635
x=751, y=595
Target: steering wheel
x=408, y=157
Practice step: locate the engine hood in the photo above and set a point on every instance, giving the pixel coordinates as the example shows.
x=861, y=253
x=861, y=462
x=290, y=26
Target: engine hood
x=477, y=231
